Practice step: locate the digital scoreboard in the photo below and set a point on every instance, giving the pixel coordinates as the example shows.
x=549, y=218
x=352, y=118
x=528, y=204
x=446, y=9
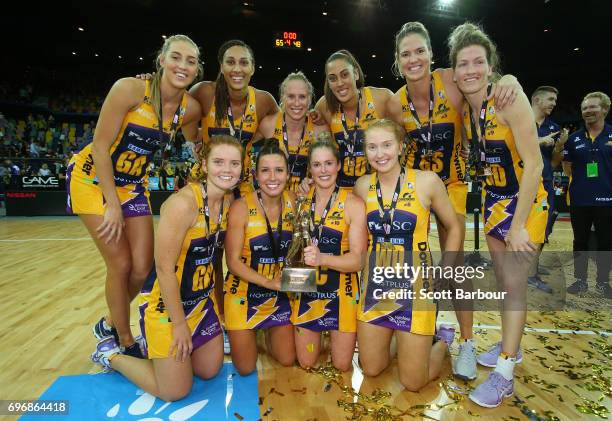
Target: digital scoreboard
x=288, y=40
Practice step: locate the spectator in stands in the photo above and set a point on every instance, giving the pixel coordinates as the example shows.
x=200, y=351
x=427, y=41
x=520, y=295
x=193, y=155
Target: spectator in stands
x=45, y=171
x=34, y=149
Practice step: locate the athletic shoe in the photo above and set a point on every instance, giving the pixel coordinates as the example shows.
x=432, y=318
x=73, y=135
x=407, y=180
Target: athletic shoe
x=105, y=349
x=142, y=344
x=578, y=287
x=226, y=344
x=492, y=391
x=604, y=289
x=133, y=350
x=102, y=330
x=446, y=333
x=464, y=365
x=489, y=358
x=537, y=282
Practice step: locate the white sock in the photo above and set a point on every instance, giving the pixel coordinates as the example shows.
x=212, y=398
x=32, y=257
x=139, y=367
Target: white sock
x=505, y=367
x=106, y=325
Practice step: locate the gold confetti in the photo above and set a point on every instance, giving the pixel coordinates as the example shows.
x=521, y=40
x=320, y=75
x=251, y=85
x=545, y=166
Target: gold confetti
x=310, y=347
x=237, y=415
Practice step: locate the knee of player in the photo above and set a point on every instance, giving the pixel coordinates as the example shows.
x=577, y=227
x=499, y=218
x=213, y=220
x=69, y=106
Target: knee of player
x=121, y=266
x=343, y=364
x=373, y=370
x=307, y=361
x=286, y=360
x=411, y=382
x=245, y=369
x=176, y=393
x=208, y=372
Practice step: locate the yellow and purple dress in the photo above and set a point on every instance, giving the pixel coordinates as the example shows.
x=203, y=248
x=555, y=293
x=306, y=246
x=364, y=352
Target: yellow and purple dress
x=196, y=280
x=248, y=305
x=445, y=159
x=350, y=136
x=334, y=305
x=406, y=245
x=131, y=153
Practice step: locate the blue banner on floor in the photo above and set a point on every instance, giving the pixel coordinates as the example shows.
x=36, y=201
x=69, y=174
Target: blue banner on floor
x=112, y=397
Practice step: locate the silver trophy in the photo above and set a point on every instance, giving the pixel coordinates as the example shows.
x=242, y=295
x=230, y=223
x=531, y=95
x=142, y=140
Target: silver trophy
x=297, y=276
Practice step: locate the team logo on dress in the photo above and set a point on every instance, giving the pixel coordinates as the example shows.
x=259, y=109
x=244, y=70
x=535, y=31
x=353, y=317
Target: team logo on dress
x=341, y=205
x=252, y=108
x=491, y=110
x=252, y=212
x=248, y=119
x=442, y=108
x=407, y=197
x=369, y=117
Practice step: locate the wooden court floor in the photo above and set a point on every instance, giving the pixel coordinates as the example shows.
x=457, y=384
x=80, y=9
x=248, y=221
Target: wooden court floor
x=52, y=291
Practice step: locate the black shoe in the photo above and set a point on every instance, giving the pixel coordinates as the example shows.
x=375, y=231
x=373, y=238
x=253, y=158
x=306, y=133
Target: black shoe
x=604, y=289
x=578, y=287
x=102, y=330
x=133, y=351
x=538, y=283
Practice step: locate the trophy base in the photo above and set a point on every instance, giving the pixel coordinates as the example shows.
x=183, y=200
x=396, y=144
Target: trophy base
x=299, y=280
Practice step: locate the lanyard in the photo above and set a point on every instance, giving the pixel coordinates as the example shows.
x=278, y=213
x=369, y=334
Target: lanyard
x=286, y=142
x=173, y=126
x=480, y=141
x=592, y=143
x=230, y=118
x=207, y=215
x=279, y=228
x=315, y=230
x=425, y=138
x=387, y=214
x=350, y=146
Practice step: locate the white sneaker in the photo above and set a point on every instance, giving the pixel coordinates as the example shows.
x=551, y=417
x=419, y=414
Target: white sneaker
x=464, y=365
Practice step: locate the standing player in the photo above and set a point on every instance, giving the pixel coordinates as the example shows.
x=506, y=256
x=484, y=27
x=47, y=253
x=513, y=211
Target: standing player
x=543, y=101
x=349, y=107
x=230, y=106
x=107, y=180
x=178, y=310
x=292, y=126
x=259, y=233
x=515, y=205
x=429, y=107
x=339, y=237
x=398, y=203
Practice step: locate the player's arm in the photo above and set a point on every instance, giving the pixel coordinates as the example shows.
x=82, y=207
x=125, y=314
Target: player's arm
x=125, y=95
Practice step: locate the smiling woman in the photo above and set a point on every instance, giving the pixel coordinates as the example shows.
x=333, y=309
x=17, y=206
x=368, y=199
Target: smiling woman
x=107, y=180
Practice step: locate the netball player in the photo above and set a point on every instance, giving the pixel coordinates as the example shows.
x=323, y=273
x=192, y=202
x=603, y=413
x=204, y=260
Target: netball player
x=231, y=106
x=292, y=126
x=515, y=204
x=259, y=233
x=107, y=180
x=349, y=107
x=178, y=309
x=429, y=108
x=339, y=241
x=398, y=203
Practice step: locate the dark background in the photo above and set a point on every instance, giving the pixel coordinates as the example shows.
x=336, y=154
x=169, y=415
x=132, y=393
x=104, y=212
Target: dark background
x=39, y=39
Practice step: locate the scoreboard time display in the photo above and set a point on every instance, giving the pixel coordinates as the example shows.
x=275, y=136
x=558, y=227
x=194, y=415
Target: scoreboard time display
x=288, y=40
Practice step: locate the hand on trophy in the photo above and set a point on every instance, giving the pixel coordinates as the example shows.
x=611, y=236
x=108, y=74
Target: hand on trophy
x=275, y=283
x=313, y=256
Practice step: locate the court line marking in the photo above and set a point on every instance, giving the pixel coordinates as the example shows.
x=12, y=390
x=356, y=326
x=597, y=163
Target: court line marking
x=24, y=240
x=542, y=330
